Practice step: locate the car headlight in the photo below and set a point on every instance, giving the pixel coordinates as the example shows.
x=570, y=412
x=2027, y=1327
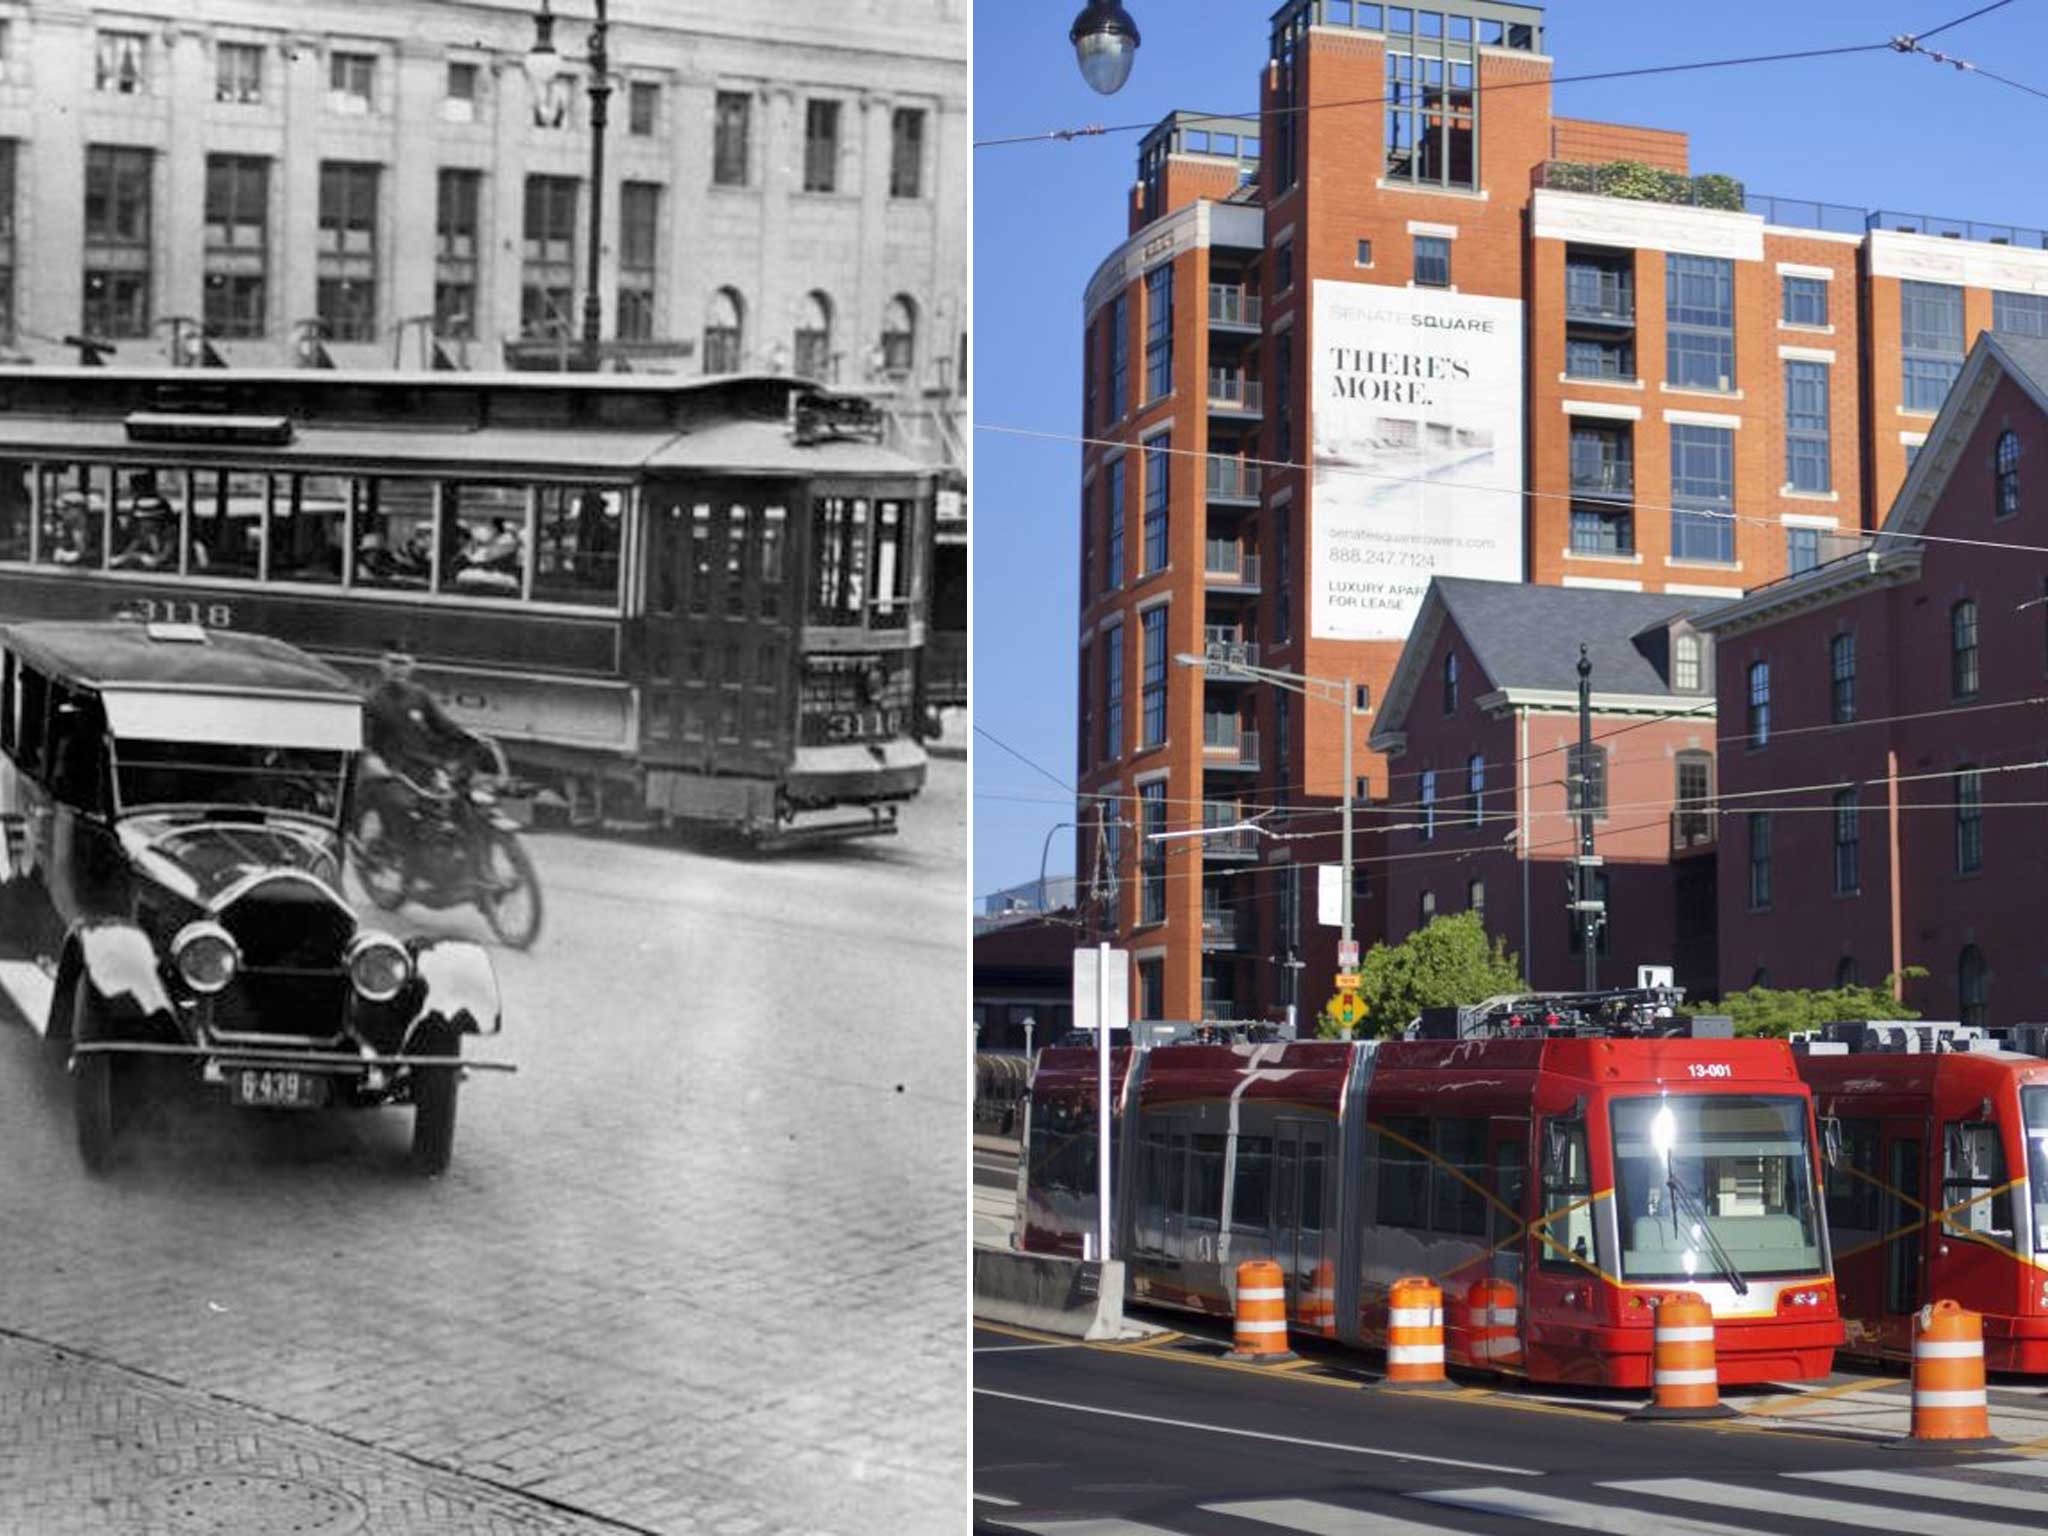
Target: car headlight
x=206, y=956
x=378, y=966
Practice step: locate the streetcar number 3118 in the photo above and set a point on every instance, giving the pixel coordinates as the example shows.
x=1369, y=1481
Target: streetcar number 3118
x=1710, y=1069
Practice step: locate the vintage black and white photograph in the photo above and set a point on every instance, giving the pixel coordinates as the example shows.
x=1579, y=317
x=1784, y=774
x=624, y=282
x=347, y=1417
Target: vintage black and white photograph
x=483, y=684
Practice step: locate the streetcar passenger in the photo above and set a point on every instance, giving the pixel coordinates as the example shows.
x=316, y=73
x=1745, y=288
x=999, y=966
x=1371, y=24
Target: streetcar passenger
x=71, y=537
x=150, y=545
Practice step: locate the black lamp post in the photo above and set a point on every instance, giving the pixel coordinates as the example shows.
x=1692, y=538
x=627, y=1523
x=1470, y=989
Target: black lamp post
x=1105, y=43
x=541, y=65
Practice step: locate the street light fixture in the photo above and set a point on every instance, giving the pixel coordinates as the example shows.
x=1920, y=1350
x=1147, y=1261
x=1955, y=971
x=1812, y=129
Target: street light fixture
x=1105, y=43
x=543, y=63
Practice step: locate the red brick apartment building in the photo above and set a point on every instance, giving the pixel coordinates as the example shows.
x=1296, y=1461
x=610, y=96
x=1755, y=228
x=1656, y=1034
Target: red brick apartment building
x=1879, y=716
x=1515, y=347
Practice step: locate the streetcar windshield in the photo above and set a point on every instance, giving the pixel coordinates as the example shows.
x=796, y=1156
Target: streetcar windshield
x=1706, y=1184
x=2034, y=1110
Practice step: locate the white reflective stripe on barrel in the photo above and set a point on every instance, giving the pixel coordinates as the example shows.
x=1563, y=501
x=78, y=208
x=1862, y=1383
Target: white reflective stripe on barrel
x=1262, y=1325
x=1415, y=1354
x=1262, y=1293
x=1695, y=1335
x=1949, y=1399
x=1415, y=1317
x=1502, y=1317
x=1939, y=1349
x=1686, y=1378
x=1487, y=1348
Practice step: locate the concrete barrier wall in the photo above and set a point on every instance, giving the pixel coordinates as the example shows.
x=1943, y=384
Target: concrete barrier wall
x=1081, y=1299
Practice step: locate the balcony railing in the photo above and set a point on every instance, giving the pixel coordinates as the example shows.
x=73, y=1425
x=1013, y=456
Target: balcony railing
x=1229, y=650
x=1231, y=479
x=1600, y=301
x=1235, y=748
x=1229, y=305
x=1958, y=229
x=1691, y=827
x=1229, y=562
x=1233, y=391
x=1611, y=481
x=1219, y=928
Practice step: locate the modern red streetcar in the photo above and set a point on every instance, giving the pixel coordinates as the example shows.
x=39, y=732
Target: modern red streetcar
x=1557, y=1164
x=1939, y=1189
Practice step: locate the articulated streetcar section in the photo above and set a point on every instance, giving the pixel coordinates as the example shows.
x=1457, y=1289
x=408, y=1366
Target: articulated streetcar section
x=1593, y=1207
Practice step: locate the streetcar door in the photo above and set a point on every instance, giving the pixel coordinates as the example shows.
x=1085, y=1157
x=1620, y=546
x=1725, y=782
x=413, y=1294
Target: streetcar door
x=1313, y=1276
x=1905, y=1216
x=1509, y=1212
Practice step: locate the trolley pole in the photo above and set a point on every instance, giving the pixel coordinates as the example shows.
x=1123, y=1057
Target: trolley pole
x=1587, y=909
x=1102, y=1103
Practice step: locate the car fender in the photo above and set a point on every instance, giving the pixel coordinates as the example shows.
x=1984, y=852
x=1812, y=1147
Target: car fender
x=117, y=961
x=458, y=990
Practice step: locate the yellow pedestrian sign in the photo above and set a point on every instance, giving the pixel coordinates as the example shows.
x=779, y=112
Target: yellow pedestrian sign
x=1348, y=1009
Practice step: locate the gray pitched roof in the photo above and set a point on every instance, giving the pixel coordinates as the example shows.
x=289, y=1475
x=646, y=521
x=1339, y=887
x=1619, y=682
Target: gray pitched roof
x=1529, y=636
x=2027, y=354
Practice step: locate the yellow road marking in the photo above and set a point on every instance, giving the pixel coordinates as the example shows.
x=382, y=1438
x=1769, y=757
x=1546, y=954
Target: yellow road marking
x=1773, y=1407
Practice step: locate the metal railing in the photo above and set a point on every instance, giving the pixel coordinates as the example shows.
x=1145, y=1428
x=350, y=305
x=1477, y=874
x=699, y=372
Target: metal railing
x=1612, y=302
x=1238, y=748
x=1233, y=390
x=1219, y=928
x=1230, y=650
x=1230, y=305
x=1957, y=229
x=1234, y=478
x=1609, y=480
x=1231, y=562
x=1805, y=213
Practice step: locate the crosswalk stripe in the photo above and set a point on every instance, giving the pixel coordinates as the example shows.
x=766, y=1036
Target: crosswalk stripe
x=1797, y=1506
x=990, y=1498
x=1921, y=1485
x=1109, y=1526
x=1516, y=1504
x=2022, y=1468
x=1317, y=1519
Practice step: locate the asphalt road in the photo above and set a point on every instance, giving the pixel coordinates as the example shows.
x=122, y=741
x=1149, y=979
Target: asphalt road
x=696, y=1267
x=1093, y=1441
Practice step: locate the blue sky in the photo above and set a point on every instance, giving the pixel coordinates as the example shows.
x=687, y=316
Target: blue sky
x=1879, y=130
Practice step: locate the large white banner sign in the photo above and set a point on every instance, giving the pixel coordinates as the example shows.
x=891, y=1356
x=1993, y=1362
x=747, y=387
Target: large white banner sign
x=1418, y=451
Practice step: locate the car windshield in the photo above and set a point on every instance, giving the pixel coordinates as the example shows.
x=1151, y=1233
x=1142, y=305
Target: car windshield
x=2034, y=1111
x=1694, y=1173
x=304, y=780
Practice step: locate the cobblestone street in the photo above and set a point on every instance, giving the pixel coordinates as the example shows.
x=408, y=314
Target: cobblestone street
x=697, y=1267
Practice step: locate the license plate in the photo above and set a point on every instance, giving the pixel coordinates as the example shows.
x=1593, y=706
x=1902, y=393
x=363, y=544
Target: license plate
x=276, y=1088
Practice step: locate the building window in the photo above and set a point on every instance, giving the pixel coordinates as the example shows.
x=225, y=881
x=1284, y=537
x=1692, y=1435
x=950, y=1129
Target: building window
x=1113, y=693
x=458, y=103
x=1973, y=986
x=1848, y=844
x=1586, y=781
x=1426, y=909
x=1759, y=860
x=456, y=223
x=119, y=63
x=1151, y=989
x=731, y=119
x=1152, y=852
x=1119, y=358
x=1685, y=663
x=1091, y=402
x=1695, y=794
x=1283, y=583
x=1806, y=426
x=1802, y=549
x=1475, y=899
x=351, y=83
x=2024, y=313
x=643, y=107
x=906, y=153
x=117, y=226
x=1432, y=262
x=1283, y=396
x=1600, y=357
x=639, y=243
x=1450, y=682
x=724, y=331
x=814, y=358
x=1159, y=332
x=1702, y=493
x=821, y=146
x=1806, y=301
x=1759, y=703
x=1429, y=112
x=1475, y=787
x=1962, y=637
x=2006, y=465
x=1603, y=485
x=1428, y=828
x=6, y=240
x=1114, y=573
x=1930, y=341
x=1084, y=745
x=1846, y=974
x=238, y=73
x=1088, y=589
x=346, y=258
x=547, y=279
x=1969, y=820
x=237, y=242
x=1362, y=259
x=899, y=337
x=1699, y=313
x=1157, y=462
x=1842, y=678
x=1153, y=682
x=1283, y=267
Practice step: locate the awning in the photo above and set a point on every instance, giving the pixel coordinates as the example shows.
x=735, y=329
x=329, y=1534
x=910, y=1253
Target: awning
x=214, y=719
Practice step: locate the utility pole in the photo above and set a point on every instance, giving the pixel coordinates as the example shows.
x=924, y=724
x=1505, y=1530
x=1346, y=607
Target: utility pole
x=1587, y=906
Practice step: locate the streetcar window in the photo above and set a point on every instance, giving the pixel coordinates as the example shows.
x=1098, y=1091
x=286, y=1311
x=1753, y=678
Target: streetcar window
x=1457, y=1206
x=488, y=525
x=1205, y=1178
x=228, y=512
x=1976, y=1197
x=735, y=562
x=774, y=558
x=74, y=501
x=1311, y=1186
x=579, y=533
x=1404, y=1183
x=700, y=557
x=892, y=564
x=145, y=533
x=2034, y=1112
x=1251, y=1191
x=16, y=510
x=309, y=527
x=1565, y=1235
x=394, y=533
x=839, y=526
x=1853, y=1193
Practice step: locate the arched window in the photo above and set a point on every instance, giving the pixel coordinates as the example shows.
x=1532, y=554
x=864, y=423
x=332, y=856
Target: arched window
x=1685, y=663
x=2006, y=461
x=724, y=331
x=1475, y=786
x=1973, y=985
x=1759, y=703
x=1962, y=641
x=814, y=337
x=899, y=337
x=1450, y=682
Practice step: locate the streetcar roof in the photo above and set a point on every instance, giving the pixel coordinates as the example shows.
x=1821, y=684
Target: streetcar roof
x=766, y=448
x=159, y=658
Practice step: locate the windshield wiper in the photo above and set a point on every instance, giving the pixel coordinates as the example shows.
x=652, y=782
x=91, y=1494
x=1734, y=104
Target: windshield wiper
x=1680, y=1195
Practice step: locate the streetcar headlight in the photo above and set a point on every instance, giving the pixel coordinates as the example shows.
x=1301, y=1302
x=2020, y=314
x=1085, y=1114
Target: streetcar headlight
x=206, y=956
x=378, y=966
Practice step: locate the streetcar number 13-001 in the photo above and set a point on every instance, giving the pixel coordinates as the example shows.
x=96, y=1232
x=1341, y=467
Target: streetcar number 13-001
x=1710, y=1069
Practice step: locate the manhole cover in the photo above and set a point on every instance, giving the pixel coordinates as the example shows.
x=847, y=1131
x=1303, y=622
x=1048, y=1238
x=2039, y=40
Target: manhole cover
x=249, y=1504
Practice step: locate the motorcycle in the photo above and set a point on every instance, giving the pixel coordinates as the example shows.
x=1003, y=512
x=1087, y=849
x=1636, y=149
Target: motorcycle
x=445, y=844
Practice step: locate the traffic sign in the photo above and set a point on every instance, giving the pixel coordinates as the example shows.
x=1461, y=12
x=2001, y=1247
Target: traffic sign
x=1087, y=990
x=1347, y=954
x=1347, y=981
x=1348, y=1009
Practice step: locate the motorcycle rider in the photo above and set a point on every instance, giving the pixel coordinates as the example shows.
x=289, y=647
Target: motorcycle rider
x=427, y=750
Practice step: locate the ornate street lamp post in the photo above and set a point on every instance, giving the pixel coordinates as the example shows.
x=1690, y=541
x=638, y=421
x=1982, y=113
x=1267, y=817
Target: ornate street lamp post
x=542, y=64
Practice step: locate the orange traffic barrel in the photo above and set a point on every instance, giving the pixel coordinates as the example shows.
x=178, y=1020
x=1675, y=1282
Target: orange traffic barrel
x=1684, y=1381
x=1494, y=1323
x=1415, y=1334
x=1319, y=1306
x=1949, y=1406
x=1261, y=1328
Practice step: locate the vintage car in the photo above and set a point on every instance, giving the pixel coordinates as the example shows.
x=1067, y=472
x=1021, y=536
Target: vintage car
x=175, y=802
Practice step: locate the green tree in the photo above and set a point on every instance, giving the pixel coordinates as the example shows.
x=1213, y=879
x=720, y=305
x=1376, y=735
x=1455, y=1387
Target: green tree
x=1777, y=1013
x=1450, y=961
